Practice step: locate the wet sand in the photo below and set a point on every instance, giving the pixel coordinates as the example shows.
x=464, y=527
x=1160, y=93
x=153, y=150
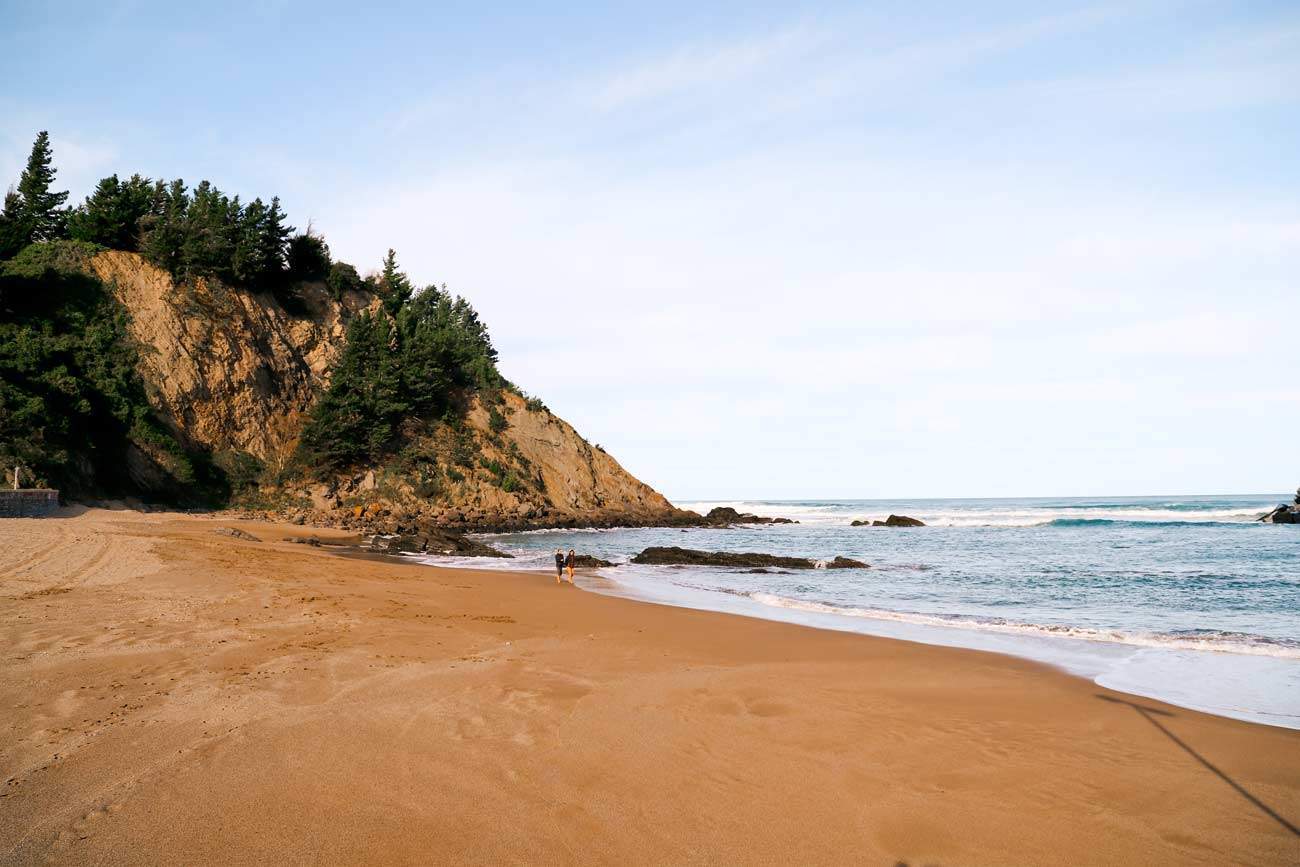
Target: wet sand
x=169, y=695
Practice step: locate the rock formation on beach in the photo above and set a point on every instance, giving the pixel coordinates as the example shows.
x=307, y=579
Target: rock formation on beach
x=674, y=556
x=434, y=541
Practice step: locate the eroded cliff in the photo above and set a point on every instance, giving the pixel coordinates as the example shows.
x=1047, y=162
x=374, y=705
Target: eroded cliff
x=234, y=373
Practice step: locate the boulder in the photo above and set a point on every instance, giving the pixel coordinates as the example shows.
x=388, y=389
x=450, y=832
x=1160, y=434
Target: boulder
x=434, y=540
x=237, y=533
x=587, y=561
x=891, y=521
x=723, y=516
x=1283, y=514
x=674, y=556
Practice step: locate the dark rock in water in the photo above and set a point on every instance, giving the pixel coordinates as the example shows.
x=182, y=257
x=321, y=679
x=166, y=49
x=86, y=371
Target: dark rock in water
x=903, y=521
x=307, y=540
x=674, y=556
x=237, y=533
x=725, y=515
x=891, y=521
x=587, y=561
x=1283, y=514
x=434, y=541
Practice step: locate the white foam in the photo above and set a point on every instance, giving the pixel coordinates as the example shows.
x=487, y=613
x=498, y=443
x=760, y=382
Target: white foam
x=984, y=515
x=1216, y=644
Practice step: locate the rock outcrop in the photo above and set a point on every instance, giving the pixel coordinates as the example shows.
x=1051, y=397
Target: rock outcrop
x=674, y=556
x=891, y=521
x=1284, y=514
x=437, y=542
x=588, y=561
x=229, y=369
x=725, y=516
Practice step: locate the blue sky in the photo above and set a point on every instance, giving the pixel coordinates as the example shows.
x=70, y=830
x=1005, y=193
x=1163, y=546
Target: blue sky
x=772, y=251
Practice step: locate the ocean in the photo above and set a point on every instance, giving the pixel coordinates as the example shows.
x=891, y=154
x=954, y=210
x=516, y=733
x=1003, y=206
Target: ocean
x=1183, y=599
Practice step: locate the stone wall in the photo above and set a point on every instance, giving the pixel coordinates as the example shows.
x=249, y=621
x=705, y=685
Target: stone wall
x=28, y=503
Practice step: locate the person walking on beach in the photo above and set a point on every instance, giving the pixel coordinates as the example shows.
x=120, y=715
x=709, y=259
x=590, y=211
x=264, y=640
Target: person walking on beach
x=559, y=565
x=571, y=561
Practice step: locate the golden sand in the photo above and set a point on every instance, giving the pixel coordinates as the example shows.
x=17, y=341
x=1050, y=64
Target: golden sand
x=169, y=695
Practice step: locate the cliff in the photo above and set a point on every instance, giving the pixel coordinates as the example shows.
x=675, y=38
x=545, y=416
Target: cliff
x=226, y=369
x=233, y=373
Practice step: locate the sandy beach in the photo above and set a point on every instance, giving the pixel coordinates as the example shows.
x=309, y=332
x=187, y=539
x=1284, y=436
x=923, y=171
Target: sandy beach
x=172, y=695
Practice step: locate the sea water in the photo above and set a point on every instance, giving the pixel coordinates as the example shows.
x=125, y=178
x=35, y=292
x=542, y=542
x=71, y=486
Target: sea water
x=1185, y=599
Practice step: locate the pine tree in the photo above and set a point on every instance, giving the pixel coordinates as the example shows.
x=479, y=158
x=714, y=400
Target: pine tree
x=112, y=215
x=163, y=239
x=274, y=240
x=11, y=234
x=394, y=285
x=246, y=258
x=210, y=233
x=41, y=214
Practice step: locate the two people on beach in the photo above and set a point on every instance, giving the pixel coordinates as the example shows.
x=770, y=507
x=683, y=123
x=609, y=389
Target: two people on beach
x=562, y=562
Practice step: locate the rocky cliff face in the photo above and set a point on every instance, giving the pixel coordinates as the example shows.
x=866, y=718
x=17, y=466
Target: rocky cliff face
x=234, y=371
x=228, y=370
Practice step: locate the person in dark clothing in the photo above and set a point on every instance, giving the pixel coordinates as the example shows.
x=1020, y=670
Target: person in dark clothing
x=559, y=565
x=570, y=562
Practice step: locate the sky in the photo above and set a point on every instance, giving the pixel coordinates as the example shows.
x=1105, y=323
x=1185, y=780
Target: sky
x=771, y=250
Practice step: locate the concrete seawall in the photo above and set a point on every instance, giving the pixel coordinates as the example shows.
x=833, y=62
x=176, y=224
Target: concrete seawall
x=29, y=503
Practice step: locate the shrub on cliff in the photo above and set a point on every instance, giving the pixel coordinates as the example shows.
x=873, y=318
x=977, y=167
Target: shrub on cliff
x=308, y=257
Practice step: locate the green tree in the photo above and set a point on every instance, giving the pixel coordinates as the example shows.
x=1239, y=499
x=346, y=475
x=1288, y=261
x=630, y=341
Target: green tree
x=112, y=215
x=394, y=286
x=72, y=405
x=209, y=235
x=163, y=231
x=414, y=358
x=11, y=227
x=259, y=251
x=41, y=213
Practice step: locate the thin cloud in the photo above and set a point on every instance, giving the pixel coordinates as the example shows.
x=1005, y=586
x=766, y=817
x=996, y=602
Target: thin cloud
x=698, y=67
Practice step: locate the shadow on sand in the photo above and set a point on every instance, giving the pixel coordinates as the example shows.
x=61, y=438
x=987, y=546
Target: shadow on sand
x=1150, y=714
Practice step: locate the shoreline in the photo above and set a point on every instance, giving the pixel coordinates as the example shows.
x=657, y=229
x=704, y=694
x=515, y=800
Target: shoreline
x=1184, y=672
x=187, y=696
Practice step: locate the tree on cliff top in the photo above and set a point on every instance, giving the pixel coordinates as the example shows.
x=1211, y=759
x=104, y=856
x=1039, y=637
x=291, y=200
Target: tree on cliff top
x=33, y=212
x=111, y=215
x=42, y=209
